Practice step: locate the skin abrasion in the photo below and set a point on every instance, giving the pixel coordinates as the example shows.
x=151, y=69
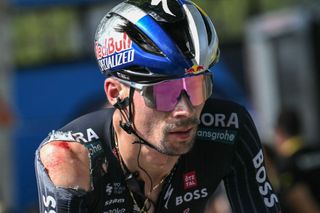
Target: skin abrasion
x=63, y=145
x=69, y=158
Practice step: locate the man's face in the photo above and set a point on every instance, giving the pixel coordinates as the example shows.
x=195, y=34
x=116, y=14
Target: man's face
x=171, y=132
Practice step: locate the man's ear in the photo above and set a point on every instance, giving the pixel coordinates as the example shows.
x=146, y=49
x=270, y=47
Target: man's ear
x=113, y=88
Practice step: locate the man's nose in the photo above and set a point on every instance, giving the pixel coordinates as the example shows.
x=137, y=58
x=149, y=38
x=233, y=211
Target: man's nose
x=184, y=106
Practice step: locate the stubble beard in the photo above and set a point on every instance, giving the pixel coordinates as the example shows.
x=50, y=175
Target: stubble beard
x=172, y=148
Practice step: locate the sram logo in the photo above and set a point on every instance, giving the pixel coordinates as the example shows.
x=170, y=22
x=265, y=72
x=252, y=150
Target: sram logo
x=50, y=203
x=261, y=177
x=189, y=196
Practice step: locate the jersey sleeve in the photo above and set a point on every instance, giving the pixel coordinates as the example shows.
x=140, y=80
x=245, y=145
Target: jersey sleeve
x=246, y=183
x=88, y=131
x=54, y=199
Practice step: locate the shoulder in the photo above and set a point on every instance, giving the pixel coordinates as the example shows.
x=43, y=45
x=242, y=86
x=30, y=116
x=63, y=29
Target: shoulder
x=67, y=163
x=67, y=154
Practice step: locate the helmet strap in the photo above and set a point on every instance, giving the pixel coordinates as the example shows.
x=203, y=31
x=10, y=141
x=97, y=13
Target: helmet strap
x=127, y=126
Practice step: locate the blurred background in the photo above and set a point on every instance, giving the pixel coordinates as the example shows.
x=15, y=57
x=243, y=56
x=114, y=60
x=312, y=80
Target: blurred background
x=48, y=75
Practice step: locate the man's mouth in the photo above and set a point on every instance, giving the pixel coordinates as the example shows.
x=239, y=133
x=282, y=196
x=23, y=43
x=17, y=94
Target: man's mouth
x=181, y=134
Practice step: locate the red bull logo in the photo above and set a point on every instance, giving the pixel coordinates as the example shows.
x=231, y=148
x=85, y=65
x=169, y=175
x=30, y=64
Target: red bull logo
x=195, y=69
x=112, y=45
x=114, y=51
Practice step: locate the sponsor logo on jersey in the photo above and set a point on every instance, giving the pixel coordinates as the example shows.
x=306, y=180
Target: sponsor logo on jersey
x=265, y=188
x=114, y=201
x=187, y=210
x=86, y=137
x=192, y=195
x=220, y=120
x=217, y=135
x=94, y=148
x=117, y=210
x=165, y=6
x=190, y=180
x=195, y=69
x=114, y=51
x=91, y=140
x=109, y=189
x=115, y=188
x=49, y=203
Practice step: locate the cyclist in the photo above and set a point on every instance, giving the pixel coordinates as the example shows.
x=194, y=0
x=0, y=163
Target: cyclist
x=164, y=146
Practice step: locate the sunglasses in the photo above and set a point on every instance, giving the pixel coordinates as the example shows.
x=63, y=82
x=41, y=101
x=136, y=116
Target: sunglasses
x=164, y=96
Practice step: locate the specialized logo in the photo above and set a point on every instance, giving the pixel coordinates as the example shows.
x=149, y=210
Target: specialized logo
x=193, y=195
x=165, y=6
x=220, y=120
x=195, y=69
x=190, y=180
x=114, y=51
x=261, y=177
x=217, y=135
x=109, y=189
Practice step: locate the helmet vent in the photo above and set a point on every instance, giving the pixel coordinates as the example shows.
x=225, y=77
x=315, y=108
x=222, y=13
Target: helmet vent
x=180, y=34
x=207, y=27
x=138, y=37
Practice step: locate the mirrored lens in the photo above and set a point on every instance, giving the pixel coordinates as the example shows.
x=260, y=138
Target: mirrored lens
x=164, y=96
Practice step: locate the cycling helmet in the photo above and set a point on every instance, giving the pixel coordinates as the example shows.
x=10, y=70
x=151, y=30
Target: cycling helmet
x=148, y=41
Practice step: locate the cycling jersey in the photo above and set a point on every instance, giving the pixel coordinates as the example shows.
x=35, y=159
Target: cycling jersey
x=227, y=148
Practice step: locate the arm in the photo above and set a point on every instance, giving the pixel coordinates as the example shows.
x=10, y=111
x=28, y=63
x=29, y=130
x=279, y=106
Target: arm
x=63, y=177
x=247, y=184
x=67, y=164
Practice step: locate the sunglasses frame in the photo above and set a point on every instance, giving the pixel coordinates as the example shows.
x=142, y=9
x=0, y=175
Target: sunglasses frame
x=146, y=90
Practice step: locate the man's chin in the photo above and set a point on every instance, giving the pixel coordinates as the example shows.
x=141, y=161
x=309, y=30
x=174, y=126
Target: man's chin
x=181, y=149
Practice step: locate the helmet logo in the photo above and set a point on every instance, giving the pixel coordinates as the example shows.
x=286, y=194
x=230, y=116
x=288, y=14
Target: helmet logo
x=114, y=51
x=195, y=69
x=165, y=6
